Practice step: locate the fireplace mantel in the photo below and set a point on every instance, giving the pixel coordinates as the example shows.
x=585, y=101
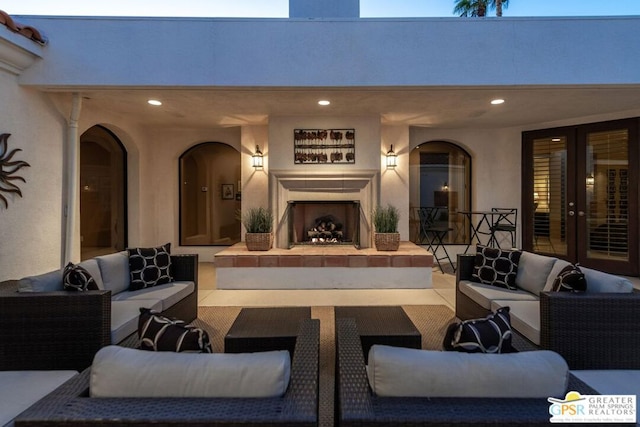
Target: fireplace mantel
x=286, y=185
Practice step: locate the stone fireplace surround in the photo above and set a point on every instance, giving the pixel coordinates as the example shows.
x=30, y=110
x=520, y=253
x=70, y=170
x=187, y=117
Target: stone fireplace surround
x=288, y=185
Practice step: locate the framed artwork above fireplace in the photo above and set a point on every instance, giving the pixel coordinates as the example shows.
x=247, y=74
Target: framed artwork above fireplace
x=324, y=146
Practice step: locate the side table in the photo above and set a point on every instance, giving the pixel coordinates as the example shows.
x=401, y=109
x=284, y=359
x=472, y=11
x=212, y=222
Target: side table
x=387, y=325
x=265, y=329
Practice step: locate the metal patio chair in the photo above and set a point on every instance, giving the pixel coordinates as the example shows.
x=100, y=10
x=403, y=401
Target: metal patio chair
x=433, y=232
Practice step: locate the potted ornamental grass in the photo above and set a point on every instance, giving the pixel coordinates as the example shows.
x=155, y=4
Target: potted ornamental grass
x=259, y=225
x=385, y=222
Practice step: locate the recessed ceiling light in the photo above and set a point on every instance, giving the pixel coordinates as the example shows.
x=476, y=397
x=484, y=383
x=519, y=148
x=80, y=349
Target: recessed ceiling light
x=154, y=102
x=324, y=102
x=555, y=139
x=497, y=101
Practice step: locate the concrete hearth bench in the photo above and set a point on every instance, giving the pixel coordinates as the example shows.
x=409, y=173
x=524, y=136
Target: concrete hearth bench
x=324, y=267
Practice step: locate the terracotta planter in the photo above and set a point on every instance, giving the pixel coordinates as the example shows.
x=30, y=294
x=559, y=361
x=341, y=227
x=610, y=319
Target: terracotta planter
x=387, y=241
x=259, y=241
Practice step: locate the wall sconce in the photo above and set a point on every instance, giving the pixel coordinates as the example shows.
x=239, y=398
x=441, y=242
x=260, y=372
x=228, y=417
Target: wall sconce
x=392, y=158
x=257, y=158
x=591, y=180
x=445, y=186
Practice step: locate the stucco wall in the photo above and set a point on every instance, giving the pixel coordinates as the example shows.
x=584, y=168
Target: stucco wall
x=152, y=174
x=496, y=159
x=303, y=52
x=31, y=227
x=367, y=141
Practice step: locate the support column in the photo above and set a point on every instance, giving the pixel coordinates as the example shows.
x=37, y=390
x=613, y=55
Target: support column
x=72, y=205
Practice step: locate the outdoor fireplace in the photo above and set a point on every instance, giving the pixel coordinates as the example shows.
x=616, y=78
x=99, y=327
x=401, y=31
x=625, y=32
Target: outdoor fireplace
x=323, y=187
x=326, y=222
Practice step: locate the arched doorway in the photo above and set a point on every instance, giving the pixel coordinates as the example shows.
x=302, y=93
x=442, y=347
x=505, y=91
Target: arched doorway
x=210, y=195
x=440, y=178
x=103, y=193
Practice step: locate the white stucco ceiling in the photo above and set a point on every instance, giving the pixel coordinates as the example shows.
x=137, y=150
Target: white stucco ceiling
x=430, y=107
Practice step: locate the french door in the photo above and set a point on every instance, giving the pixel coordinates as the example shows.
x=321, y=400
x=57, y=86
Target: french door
x=580, y=194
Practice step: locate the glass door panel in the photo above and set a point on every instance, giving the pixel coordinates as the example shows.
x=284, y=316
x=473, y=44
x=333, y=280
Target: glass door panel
x=607, y=195
x=549, y=195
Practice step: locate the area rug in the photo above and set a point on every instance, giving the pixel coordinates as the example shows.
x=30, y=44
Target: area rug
x=430, y=320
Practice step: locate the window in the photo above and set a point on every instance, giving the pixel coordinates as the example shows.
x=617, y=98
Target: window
x=210, y=195
x=103, y=193
x=440, y=177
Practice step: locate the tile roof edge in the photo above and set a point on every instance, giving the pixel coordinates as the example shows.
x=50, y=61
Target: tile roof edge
x=27, y=31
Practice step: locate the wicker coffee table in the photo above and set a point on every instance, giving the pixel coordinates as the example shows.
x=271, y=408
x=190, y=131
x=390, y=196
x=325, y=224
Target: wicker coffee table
x=388, y=325
x=265, y=329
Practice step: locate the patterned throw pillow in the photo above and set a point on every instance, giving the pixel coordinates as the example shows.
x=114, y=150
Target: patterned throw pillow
x=149, y=267
x=570, y=279
x=489, y=335
x=496, y=267
x=76, y=278
x=161, y=333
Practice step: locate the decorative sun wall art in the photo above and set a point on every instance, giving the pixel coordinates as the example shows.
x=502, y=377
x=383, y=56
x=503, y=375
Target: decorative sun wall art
x=8, y=169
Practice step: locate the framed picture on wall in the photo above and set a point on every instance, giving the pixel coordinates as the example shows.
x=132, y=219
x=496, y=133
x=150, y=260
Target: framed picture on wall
x=324, y=146
x=227, y=192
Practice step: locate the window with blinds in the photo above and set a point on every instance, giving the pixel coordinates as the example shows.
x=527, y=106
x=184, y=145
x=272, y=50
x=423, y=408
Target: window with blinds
x=607, y=188
x=549, y=194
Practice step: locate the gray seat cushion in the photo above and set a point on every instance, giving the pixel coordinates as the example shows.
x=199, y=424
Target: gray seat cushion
x=611, y=381
x=557, y=268
x=21, y=389
x=533, y=271
x=120, y=372
x=46, y=282
x=91, y=265
x=115, y=271
x=601, y=282
x=483, y=294
x=169, y=293
x=408, y=372
x=525, y=317
x=125, y=314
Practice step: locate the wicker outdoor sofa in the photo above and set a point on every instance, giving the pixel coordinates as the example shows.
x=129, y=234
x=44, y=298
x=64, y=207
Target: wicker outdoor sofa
x=358, y=406
x=63, y=330
x=590, y=330
x=70, y=404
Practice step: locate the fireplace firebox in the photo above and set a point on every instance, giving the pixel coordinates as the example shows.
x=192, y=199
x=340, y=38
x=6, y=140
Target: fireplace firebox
x=326, y=222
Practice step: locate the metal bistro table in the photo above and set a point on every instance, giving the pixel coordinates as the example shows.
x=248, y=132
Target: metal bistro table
x=481, y=226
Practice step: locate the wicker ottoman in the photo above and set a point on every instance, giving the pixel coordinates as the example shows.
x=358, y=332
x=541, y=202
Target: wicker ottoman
x=265, y=329
x=388, y=325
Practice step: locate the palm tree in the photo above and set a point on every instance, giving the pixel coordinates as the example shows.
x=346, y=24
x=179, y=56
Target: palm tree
x=473, y=8
x=479, y=7
x=498, y=5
